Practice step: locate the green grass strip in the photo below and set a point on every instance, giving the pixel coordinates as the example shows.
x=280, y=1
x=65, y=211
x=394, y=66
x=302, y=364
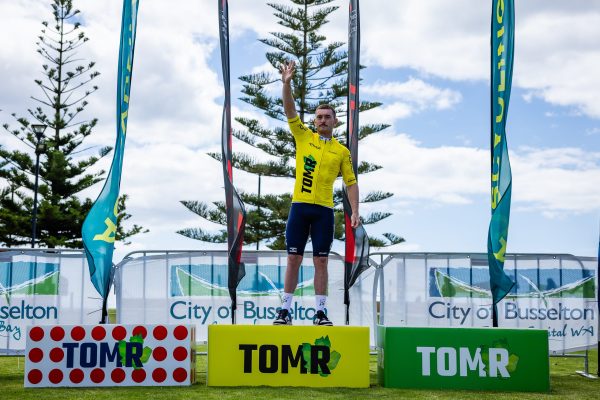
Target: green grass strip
x=565, y=384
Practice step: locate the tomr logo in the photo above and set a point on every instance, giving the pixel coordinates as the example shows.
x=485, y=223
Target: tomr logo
x=92, y=354
x=269, y=361
x=307, y=176
x=448, y=364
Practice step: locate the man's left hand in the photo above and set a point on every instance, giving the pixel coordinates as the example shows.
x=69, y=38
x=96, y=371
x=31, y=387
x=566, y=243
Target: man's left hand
x=355, y=220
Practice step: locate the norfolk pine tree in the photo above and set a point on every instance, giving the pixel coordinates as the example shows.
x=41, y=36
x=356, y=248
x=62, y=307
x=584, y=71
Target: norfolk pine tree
x=65, y=87
x=321, y=77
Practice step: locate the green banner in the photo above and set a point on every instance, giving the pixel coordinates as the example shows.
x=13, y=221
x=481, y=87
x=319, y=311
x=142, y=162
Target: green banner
x=463, y=358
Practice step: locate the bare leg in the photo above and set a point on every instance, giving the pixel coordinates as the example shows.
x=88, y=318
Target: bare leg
x=321, y=275
x=291, y=272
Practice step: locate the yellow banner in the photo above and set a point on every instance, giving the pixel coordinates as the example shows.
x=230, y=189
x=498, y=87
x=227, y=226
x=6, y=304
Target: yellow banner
x=316, y=356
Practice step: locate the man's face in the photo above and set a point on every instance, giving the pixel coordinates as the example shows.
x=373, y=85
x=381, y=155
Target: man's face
x=325, y=122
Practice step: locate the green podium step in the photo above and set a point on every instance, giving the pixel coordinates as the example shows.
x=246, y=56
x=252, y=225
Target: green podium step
x=463, y=358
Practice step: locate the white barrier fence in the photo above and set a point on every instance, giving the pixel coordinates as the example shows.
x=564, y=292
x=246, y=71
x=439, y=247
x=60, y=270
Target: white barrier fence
x=191, y=287
x=554, y=292
x=43, y=287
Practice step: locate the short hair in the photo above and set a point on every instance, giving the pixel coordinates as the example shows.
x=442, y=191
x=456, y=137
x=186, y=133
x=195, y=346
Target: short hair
x=326, y=107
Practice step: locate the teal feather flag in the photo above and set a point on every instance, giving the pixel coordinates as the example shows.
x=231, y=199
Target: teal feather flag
x=100, y=225
x=502, y=49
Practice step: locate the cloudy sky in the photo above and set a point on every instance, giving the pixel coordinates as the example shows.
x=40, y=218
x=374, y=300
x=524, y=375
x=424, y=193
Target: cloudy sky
x=428, y=63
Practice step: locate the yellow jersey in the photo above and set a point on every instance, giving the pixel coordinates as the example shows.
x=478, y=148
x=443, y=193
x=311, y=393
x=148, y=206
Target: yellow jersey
x=318, y=163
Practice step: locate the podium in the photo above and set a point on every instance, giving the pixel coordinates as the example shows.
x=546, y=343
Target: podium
x=311, y=356
x=463, y=358
x=110, y=355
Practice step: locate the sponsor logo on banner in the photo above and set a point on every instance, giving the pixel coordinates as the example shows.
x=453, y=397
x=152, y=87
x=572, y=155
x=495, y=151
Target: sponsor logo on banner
x=258, y=294
x=249, y=310
x=303, y=356
x=110, y=355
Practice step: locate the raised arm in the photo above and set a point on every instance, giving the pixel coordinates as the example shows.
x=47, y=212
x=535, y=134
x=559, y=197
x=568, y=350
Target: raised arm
x=287, y=73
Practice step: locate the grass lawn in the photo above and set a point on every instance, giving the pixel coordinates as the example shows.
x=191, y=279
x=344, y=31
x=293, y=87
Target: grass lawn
x=565, y=384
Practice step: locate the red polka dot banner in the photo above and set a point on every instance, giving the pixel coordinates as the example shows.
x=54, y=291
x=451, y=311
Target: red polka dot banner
x=110, y=355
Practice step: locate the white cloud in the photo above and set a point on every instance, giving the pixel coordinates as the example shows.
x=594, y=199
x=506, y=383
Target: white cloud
x=560, y=180
x=557, y=181
x=556, y=51
x=442, y=175
x=415, y=91
x=387, y=112
x=555, y=54
x=19, y=61
x=464, y=140
x=528, y=96
x=447, y=39
x=177, y=99
x=592, y=131
x=266, y=68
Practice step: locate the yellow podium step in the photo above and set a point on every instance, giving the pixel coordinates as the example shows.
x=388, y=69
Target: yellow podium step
x=312, y=356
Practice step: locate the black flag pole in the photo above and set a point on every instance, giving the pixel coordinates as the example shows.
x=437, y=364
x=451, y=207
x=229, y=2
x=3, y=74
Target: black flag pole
x=236, y=214
x=356, y=258
x=104, y=316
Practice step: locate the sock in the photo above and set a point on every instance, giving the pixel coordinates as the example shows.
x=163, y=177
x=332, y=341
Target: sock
x=286, y=301
x=321, y=301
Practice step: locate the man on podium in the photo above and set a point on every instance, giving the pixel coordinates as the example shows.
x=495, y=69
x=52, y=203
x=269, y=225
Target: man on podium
x=319, y=160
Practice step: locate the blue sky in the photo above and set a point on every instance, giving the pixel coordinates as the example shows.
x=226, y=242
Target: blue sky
x=427, y=62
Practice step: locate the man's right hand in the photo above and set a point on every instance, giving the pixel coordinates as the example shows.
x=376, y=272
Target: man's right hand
x=287, y=71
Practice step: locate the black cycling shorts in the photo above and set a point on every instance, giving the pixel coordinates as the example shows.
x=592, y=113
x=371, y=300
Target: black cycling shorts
x=307, y=218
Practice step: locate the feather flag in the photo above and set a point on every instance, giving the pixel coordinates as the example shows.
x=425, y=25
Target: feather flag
x=502, y=49
x=236, y=214
x=100, y=225
x=357, y=242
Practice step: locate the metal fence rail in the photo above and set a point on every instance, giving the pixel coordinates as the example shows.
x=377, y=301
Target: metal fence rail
x=401, y=289
x=557, y=292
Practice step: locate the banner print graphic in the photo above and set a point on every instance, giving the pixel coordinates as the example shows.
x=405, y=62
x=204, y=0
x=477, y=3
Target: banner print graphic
x=28, y=278
x=502, y=50
x=100, y=225
x=357, y=241
x=529, y=283
x=211, y=280
x=236, y=214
